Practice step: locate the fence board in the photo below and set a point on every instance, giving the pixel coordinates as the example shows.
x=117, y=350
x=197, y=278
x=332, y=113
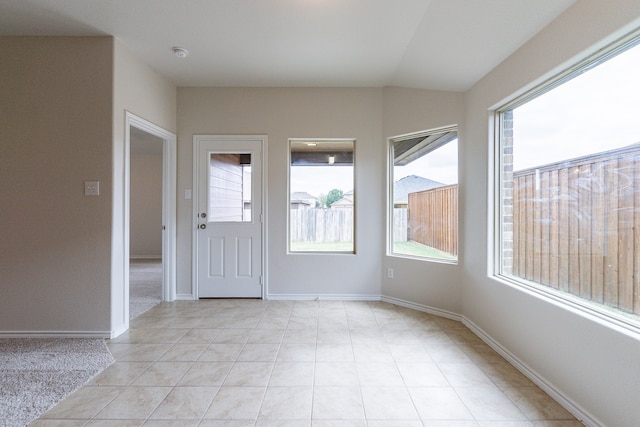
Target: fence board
x=529, y=229
x=611, y=236
x=563, y=229
x=545, y=252
x=576, y=227
x=554, y=232
x=625, y=223
x=597, y=235
x=321, y=225
x=636, y=235
x=517, y=203
x=433, y=218
x=584, y=230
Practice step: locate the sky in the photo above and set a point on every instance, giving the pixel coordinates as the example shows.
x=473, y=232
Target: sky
x=597, y=111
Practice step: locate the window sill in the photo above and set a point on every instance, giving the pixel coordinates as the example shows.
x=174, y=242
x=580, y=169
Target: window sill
x=610, y=318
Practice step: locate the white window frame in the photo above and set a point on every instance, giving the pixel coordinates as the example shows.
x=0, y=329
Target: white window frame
x=355, y=198
x=626, y=323
x=390, y=202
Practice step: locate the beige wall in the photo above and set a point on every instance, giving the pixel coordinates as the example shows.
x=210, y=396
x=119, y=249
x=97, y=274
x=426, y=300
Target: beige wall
x=282, y=114
x=593, y=364
x=139, y=90
x=62, y=116
x=146, y=204
x=55, y=133
x=429, y=284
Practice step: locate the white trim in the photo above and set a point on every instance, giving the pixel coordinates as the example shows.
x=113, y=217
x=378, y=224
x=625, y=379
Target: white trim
x=56, y=334
x=197, y=139
x=574, y=304
x=569, y=404
x=355, y=197
x=424, y=308
x=145, y=256
x=390, y=166
x=169, y=176
x=322, y=297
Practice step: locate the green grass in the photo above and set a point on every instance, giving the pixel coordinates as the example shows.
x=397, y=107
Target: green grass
x=416, y=249
x=321, y=247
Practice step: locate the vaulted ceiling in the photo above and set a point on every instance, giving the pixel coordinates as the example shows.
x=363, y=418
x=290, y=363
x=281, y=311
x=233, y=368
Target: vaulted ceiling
x=430, y=44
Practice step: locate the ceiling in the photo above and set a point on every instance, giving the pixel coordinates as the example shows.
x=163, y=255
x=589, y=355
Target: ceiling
x=430, y=44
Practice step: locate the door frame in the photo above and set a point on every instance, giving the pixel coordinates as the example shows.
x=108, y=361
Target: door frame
x=169, y=175
x=197, y=141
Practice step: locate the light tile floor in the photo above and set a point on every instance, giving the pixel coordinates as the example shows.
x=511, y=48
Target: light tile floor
x=304, y=364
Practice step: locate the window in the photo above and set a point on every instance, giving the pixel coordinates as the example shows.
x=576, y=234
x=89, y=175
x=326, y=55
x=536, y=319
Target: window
x=321, y=195
x=569, y=187
x=230, y=187
x=424, y=195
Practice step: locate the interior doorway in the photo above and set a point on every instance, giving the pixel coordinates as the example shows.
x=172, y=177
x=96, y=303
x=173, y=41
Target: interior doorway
x=145, y=221
x=150, y=219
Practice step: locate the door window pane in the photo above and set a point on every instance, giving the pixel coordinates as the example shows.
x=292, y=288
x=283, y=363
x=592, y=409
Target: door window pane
x=230, y=187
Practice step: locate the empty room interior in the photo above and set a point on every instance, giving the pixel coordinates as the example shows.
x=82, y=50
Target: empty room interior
x=354, y=212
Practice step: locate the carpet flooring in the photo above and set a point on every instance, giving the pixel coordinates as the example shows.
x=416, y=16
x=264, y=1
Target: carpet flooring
x=37, y=373
x=145, y=285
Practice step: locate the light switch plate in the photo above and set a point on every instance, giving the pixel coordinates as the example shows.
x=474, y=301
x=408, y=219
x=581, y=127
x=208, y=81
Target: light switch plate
x=92, y=188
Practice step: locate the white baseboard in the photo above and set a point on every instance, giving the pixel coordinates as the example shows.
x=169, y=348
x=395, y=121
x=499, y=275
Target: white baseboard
x=185, y=297
x=424, y=308
x=145, y=257
x=578, y=411
x=322, y=297
x=55, y=334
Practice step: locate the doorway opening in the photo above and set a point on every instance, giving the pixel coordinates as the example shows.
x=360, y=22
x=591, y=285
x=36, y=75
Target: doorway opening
x=145, y=221
x=150, y=220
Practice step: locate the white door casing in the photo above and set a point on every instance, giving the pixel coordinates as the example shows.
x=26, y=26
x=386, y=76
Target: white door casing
x=228, y=222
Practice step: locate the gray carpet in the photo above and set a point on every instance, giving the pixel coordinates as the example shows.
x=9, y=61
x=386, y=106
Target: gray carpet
x=145, y=285
x=35, y=374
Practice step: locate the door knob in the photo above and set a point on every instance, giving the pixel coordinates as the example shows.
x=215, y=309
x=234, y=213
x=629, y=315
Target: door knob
x=203, y=226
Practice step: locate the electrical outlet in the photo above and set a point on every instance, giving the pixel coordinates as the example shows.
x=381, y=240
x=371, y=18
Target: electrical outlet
x=92, y=188
x=389, y=273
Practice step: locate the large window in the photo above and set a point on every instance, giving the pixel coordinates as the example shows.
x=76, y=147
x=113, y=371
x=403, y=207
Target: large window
x=424, y=195
x=321, y=196
x=569, y=186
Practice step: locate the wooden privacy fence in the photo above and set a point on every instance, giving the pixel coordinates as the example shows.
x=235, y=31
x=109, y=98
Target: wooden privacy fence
x=433, y=218
x=399, y=224
x=576, y=227
x=321, y=225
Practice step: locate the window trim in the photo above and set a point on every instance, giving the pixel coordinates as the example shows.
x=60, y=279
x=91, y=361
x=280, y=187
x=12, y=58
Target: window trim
x=389, y=199
x=355, y=198
x=626, y=323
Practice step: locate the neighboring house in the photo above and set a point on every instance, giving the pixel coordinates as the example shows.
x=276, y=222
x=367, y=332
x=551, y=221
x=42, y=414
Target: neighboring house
x=411, y=184
x=302, y=200
x=345, y=203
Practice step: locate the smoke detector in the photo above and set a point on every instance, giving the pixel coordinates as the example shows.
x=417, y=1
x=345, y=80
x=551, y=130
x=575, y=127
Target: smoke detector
x=180, y=52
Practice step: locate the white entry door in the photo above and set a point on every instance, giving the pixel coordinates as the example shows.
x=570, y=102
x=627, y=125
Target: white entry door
x=228, y=227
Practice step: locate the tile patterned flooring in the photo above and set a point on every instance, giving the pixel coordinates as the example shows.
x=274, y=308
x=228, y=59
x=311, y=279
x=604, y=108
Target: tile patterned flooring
x=254, y=363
